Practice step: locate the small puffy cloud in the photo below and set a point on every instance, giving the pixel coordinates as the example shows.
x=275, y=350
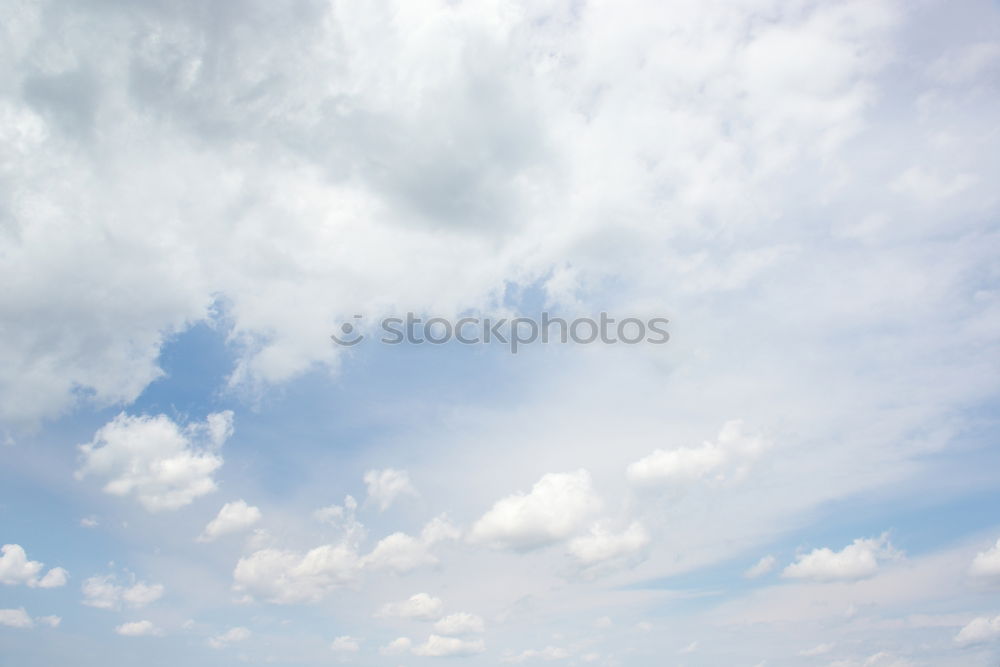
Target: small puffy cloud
x=15, y=568
x=419, y=607
x=547, y=653
x=401, y=552
x=601, y=545
x=153, y=459
x=288, y=577
x=880, y=659
x=460, y=623
x=335, y=515
x=345, y=644
x=857, y=560
x=16, y=618
x=979, y=630
x=397, y=646
x=762, y=567
x=437, y=646
x=230, y=636
x=232, y=518
x=19, y=618
x=554, y=509
x=104, y=592
x=821, y=649
x=731, y=453
x=138, y=629
x=89, y=522
x=987, y=563
x=384, y=486
x=54, y=578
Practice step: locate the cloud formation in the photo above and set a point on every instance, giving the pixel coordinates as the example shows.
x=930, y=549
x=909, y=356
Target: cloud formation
x=15, y=568
x=857, y=560
x=233, y=517
x=161, y=464
x=553, y=510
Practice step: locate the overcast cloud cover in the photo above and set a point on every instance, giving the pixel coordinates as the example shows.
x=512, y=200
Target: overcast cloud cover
x=195, y=195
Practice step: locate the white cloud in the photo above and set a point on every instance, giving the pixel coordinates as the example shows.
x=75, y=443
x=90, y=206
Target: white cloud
x=437, y=646
x=762, y=567
x=15, y=568
x=19, y=618
x=104, y=592
x=152, y=458
x=819, y=649
x=16, y=618
x=420, y=607
x=89, y=522
x=384, y=486
x=401, y=552
x=987, y=563
x=230, y=636
x=232, y=518
x=730, y=453
x=138, y=629
x=556, y=506
x=343, y=518
x=287, y=577
x=397, y=646
x=855, y=561
x=345, y=644
x=460, y=623
x=601, y=545
x=979, y=630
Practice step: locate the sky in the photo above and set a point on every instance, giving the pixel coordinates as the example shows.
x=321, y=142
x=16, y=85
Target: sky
x=194, y=197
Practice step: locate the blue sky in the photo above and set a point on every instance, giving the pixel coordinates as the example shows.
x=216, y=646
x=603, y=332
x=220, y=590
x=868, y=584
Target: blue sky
x=193, y=198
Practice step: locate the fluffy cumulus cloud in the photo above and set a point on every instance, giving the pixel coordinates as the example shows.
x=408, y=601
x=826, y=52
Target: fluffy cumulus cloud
x=284, y=576
x=731, y=452
x=987, y=563
x=437, y=646
x=345, y=644
x=288, y=577
x=15, y=568
x=400, y=552
x=105, y=592
x=460, y=623
x=230, y=636
x=154, y=459
x=16, y=618
x=601, y=544
x=979, y=630
x=385, y=486
x=398, y=646
x=19, y=618
x=420, y=607
x=857, y=560
x=138, y=629
x=232, y=518
x=554, y=509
